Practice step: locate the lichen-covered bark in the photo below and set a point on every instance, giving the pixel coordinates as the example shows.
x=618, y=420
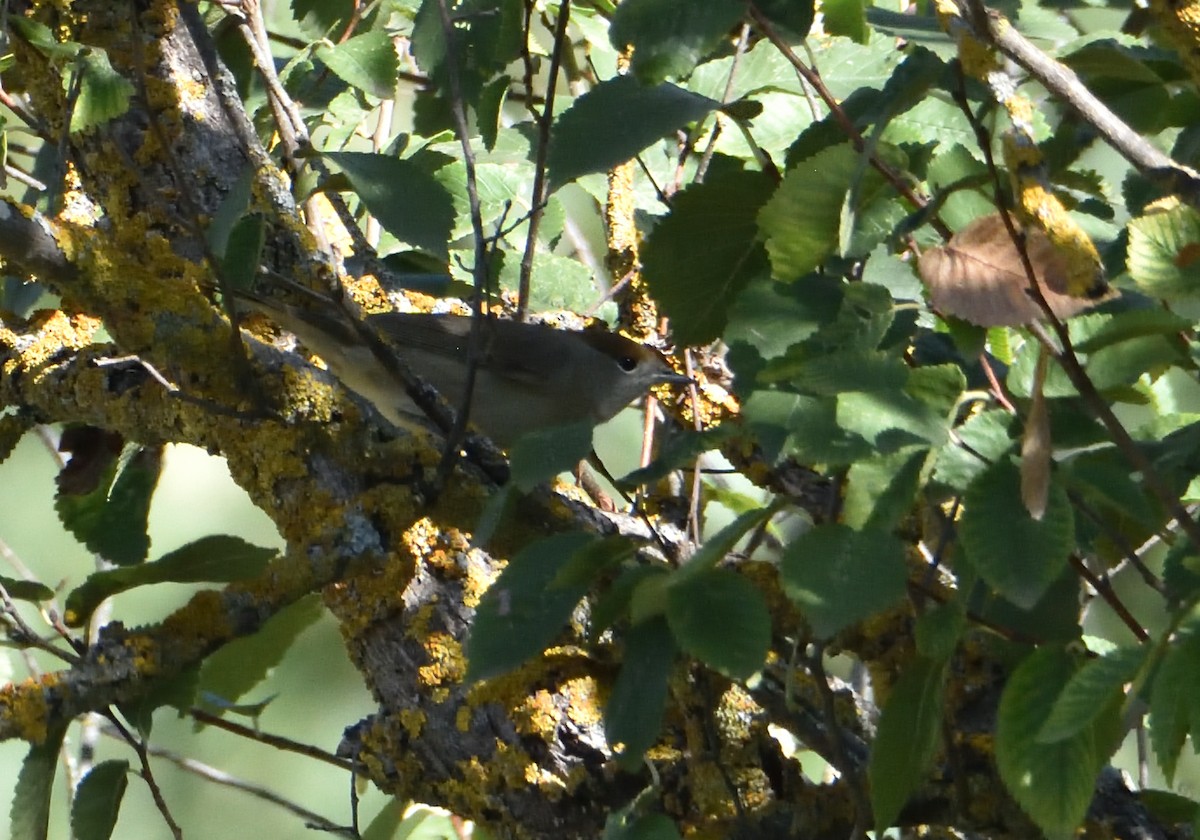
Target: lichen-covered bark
x=524, y=754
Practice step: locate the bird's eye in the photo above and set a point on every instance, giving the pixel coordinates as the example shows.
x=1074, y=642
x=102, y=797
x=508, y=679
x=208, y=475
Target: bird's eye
x=627, y=363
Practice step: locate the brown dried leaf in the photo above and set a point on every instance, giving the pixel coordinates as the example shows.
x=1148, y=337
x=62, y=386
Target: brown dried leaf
x=978, y=277
x=1036, y=446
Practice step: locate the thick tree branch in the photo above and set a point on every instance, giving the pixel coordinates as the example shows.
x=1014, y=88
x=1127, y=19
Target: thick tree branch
x=990, y=27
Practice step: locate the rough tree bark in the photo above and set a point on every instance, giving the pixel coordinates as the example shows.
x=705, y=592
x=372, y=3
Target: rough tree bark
x=525, y=753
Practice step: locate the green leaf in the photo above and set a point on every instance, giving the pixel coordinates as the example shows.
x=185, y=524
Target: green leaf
x=498, y=505
x=1122, y=364
x=880, y=490
x=907, y=738
x=29, y=814
x=367, y=62
x=837, y=575
x=669, y=37
x=680, y=451
x=385, y=825
x=795, y=15
x=613, y=122
x=1054, y=618
x=425, y=824
x=721, y=618
x=1168, y=807
x=772, y=317
x=409, y=203
x=1053, y=783
x=589, y=562
x=98, y=800
x=230, y=211
x=648, y=599
x=938, y=386
x=1181, y=573
x=1109, y=329
x=698, y=259
x=638, y=826
x=1020, y=375
x=718, y=546
x=1102, y=477
x=252, y=710
x=244, y=663
x=939, y=629
x=1164, y=249
x=1019, y=556
x=243, y=254
x=805, y=428
x=542, y=454
x=12, y=426
x=178, y=691
x=111, y=518
x=908, y=87
x=890, y=419
x=983, y=439
x=846, y=17
x=490, y=109
x=521, y=613
x=486, y=37
x=26, y=590
x=634, y=712
x=837, y=373
x=616, y=601
x=42, y=38
x=559, y=283
x=213, y=559
x=103, y=93
x=1172, y=697
x=802, y=223
x=1090, y=690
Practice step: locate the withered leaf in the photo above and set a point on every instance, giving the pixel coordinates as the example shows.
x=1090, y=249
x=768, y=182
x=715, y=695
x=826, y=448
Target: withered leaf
x=978, y=277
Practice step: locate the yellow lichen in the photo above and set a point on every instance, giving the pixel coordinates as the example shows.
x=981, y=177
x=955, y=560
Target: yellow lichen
x=446, y=664
x=54, y=331
x=413, y=721
x=25, y=705
x=583, y=703
x=537, y=715
x=735, y=714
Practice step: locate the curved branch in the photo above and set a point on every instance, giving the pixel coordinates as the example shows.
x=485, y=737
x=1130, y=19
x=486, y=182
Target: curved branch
x=989, y=26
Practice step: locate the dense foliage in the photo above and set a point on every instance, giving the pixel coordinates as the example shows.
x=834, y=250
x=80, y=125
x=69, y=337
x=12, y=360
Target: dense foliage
x=889, y=566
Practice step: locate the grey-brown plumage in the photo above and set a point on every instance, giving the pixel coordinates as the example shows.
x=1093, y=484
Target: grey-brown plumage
x=529, y=376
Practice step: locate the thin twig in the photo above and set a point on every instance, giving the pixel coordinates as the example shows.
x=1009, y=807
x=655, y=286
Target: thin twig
x=479, y=270
x=763, y=24
x=220, y=777
x=1062, y=82
x=1104, y=589
x=383, y=130
x=698, y=425
x=738, y=53
x=139, y=749
x=544, y=122
x=854, y=782
x=1131, y=554
x=276, y=741
x=23, y=635
x=1064, y=352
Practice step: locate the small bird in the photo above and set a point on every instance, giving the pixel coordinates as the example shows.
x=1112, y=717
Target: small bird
x=528, y=376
